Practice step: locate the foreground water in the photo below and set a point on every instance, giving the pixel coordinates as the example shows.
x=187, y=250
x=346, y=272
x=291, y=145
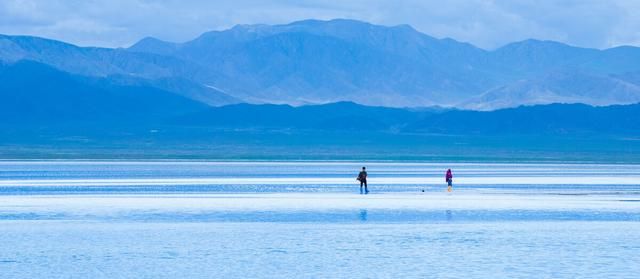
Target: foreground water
x=86, y=219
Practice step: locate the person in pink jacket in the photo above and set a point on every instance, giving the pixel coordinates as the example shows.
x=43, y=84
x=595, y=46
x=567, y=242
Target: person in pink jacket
x=449, y=179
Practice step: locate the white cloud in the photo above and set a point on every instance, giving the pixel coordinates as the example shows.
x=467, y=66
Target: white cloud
x=485, y=23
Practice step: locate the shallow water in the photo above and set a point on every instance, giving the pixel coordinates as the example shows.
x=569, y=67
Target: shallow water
x=86, y=219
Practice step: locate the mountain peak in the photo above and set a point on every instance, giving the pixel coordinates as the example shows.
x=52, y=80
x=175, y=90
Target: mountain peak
x=536, y=44
x=249, y=27
x=153, y=45
x=335, y=21
x=149, y=40
x=30, y=41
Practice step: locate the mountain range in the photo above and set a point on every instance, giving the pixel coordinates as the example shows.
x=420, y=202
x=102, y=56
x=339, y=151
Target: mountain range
x=555, y=119
x=317, y=62
x=69, y=104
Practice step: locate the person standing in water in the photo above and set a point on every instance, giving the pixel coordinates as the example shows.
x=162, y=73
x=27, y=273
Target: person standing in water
x=449, y=179
x=362, y=177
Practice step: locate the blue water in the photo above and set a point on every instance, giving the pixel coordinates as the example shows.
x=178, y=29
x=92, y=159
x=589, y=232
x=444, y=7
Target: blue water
x=81, y=219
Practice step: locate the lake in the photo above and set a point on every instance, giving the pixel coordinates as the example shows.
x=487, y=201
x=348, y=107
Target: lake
x=242, y=219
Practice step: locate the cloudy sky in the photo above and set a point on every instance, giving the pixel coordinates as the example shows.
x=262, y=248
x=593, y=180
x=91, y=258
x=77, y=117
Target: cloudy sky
x=485, y=23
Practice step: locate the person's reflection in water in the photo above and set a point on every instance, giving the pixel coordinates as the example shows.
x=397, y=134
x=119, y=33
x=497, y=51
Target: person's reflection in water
x=449, y=215
x=363, y=215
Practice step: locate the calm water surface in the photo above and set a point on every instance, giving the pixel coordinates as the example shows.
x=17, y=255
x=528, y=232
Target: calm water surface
x=82, y=219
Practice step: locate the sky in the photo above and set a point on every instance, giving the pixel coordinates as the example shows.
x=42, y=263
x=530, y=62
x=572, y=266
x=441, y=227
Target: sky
x=484, y=23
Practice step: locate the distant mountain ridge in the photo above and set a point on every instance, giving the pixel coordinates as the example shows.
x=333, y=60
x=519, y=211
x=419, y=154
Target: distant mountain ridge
x=34, y=94
x=88, y=104
x=73, y=114
x=316, y=62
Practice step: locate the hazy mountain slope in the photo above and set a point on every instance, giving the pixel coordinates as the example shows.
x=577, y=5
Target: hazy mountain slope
x=32, y=93
x=180, y=86
x=166, y=73
x=535, y=120
x=88, y=60
x=554, y=119
x=574, y=87
x=314, y=62
x=617, y=60
x=335, y=116
x=533, y=57
x=321, y=61
x=113, y=104
x=325, y=61
x=155, y=46
x=631, y=77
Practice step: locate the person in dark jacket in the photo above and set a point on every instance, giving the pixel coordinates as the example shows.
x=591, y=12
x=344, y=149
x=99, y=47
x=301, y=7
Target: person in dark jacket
x=362, y=177
x=449, y=179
